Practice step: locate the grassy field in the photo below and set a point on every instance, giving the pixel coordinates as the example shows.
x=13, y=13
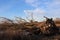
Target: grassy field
x=25, y=31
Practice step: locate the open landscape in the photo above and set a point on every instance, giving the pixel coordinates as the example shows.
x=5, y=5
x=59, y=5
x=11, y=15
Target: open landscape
x=32, y=30
x=29, y=19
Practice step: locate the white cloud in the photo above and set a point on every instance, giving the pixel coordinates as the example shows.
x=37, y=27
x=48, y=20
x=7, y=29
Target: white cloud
x=37, y=10
x=34, y=3
x=37, y=13
x=51, y=8
x=49, y=4
x=54, y=4
x=30, y=1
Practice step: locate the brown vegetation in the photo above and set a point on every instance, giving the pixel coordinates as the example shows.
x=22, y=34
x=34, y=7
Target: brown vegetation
x=24, y=30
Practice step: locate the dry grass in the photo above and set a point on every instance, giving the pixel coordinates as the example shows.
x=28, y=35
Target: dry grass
x=20, y=31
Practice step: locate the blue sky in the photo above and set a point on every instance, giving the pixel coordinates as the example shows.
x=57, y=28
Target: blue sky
x=24, y=8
